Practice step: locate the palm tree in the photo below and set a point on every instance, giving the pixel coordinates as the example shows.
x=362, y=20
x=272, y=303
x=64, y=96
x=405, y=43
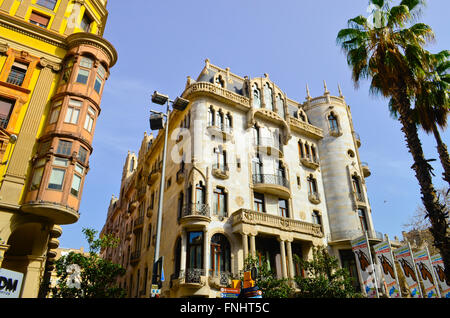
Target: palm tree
x=432, y=105
x=391, y=55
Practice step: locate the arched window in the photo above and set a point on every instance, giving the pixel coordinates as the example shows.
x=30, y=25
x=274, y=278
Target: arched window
x=302, y=116
x=332, y=120
x=220, y=255
x=268, y=96
x=300, y=149
x=200, y=193
x=228, y=123
x=280, y=106
x=357, y=188
x=211, y=117
x=312, y=185
x=219, y=81
x=256, y=96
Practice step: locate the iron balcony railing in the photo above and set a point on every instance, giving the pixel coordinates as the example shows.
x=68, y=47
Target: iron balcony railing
x=196, y=209
x=271, y=179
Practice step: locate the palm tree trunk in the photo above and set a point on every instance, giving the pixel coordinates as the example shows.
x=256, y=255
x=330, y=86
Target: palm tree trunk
x=434, y=210
x=443, y=154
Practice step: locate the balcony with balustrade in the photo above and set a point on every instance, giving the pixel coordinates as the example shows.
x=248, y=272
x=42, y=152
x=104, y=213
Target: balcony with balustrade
x=244, y=220
x=195, y=214
x=365, y=169
x=271, y=184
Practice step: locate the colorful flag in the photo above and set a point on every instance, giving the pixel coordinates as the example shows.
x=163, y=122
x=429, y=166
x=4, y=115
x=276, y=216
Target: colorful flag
x=404, y=256
x=384, y=257
x=360, y=247
x=425, y=272
x=438, y=267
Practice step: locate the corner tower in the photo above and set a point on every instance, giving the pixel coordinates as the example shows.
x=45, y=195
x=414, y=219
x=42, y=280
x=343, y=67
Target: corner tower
x=342, y=171
x=54, y=63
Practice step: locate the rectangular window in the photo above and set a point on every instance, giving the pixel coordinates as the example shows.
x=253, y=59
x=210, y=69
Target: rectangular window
x=82, y=154
x=98, y=84
x=56, y=179
x=195, y=250
x=316, y=218
x=6, y=107
x=60, y=162
x=88, y=123
x=67, y=71
x=86, y=23
x=83, y=76
x=283, y=208
x=39, y=19
x=72, y=115
x=49, y=4
x=76, y=184
x=17, y=74
x=55, y=113
x=64, y=148
x=259, y=202
x=219, y=200
x=362, y=219
x=37, y=177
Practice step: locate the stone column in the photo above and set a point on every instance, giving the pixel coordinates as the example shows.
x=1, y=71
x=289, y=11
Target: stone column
x=32, y=277
x=245, y=245
x=290, y=259
x=252, y=245
x=283, y=259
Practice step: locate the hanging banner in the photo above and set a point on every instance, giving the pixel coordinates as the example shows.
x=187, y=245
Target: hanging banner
x=404, y=256
x=424, y=270
x=438, y=267
x=365, y=266
x=384, y=257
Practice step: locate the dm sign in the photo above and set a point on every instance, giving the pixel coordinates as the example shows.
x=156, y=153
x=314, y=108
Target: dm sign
x=10, y=283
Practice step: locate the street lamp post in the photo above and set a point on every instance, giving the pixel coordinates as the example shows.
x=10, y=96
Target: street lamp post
x=156, y=123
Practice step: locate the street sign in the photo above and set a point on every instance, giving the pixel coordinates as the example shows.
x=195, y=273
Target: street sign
x=230, y=290
x=229, y=295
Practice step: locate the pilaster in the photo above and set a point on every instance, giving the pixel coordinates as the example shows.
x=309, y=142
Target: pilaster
x=15, y=176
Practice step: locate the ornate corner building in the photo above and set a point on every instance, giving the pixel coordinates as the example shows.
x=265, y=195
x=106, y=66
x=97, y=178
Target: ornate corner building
x=249, y=172
x=54, y=63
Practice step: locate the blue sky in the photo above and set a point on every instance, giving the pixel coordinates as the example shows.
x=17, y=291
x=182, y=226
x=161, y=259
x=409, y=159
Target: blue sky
x=160, y=43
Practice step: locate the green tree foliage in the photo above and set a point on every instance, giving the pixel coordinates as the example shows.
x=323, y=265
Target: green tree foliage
x=267, y=281
x=96, y=277
x=323, y=277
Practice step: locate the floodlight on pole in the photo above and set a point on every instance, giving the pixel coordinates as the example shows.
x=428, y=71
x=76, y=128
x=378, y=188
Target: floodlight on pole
x=156, y=122
x=159, y=98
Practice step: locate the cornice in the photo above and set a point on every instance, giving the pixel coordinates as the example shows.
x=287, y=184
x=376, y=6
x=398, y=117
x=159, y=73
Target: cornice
x=56, y=39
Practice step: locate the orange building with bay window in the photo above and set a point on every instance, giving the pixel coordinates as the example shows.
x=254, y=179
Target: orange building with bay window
x=54, y=63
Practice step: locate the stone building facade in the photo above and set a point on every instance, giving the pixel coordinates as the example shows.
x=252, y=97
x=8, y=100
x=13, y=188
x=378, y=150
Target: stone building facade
x=54, y=63
x=249, y=172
